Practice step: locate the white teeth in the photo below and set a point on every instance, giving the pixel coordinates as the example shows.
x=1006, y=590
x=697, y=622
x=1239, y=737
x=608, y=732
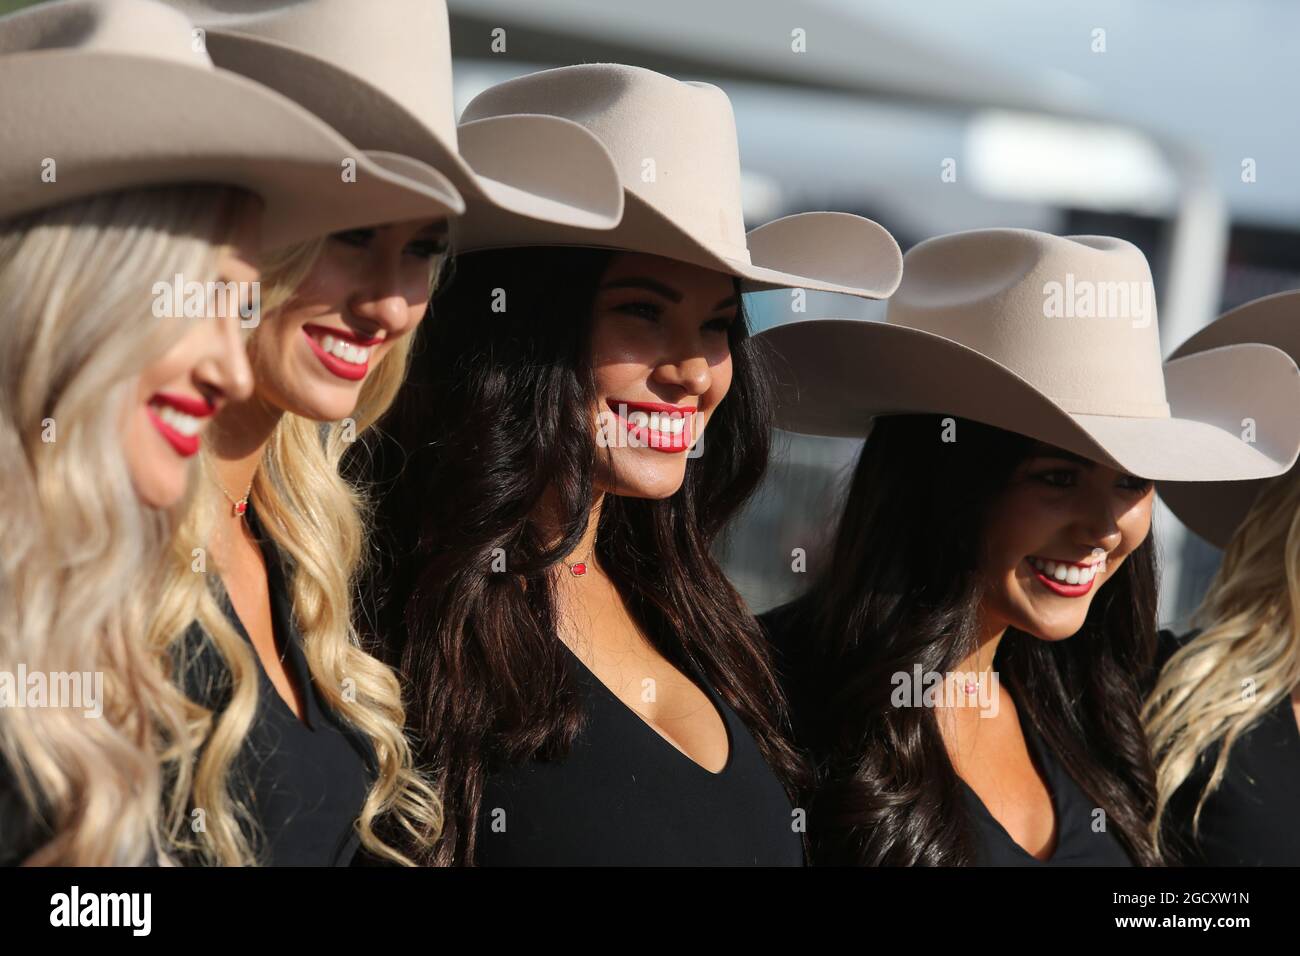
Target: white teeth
x=1068, y=573
x=664, y=424
x=187, y=425
x=345, y=350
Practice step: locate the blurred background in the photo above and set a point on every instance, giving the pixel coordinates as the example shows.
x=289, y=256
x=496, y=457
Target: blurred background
x=1170, y=123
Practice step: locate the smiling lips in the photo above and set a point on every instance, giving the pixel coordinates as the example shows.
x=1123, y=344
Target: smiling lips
x=179, y=419
x=1067, y=578
x=658, y=425
x=341, y=351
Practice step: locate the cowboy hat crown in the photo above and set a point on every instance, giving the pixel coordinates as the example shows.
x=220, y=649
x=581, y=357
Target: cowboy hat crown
x=1050, y=337
x=675, y=148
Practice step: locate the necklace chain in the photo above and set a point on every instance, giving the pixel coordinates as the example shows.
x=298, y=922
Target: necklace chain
x=239, y=506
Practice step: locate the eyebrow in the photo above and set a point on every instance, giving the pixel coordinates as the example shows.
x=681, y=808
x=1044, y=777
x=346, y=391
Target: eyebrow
x=1043, y=450
x=666, y=291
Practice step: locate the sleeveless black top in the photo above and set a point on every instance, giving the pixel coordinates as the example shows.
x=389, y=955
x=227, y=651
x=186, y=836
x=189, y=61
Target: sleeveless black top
x=1081, y=839
x=1253, y=817
x=625, y=796
x=1077, y=844
x=304, y=782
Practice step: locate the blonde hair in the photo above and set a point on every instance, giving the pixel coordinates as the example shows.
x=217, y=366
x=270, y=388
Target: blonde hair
x=79, y=552
x=318, y=519
x=1250, y=641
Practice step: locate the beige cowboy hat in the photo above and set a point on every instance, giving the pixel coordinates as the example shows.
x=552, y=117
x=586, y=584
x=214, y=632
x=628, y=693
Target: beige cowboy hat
x=675, y=147
x=1054, y=338
x=106, y=95
x=1214, y=510
x=380, y=73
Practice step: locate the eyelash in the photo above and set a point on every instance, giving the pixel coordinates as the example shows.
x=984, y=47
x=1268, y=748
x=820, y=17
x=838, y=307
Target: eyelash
x=1141, y=486
x=423, y=248
x=652, y=311
x=644, y=310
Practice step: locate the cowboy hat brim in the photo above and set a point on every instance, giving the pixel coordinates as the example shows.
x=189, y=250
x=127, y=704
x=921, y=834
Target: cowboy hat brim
x=128, y=121
x=1214, y=510
x=835, y=375
x=825, y=251
x=535, y=167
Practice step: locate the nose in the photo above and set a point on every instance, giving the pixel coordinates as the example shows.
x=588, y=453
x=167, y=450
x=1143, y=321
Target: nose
x=1098, y=524
x=691, y=374
x=225, y=370
x=388, y=299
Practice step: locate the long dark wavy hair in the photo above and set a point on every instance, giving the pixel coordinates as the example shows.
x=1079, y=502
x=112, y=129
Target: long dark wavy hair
x=901, y=587
x=497, y=409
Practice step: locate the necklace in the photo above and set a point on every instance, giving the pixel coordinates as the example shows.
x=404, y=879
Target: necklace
x=579, y=567
x=238, y=506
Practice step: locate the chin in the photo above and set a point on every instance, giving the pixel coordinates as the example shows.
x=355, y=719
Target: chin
x=651, y=486
x=1047, y=629
x=322, y=403
x=161, y=491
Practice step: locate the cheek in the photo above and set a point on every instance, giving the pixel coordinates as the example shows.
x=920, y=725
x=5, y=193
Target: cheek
x=1135, y=524
x=1018, y=526
x=721, y=373
x=415, y=283
x=620, y=363
x=173, y=366
x=621, y=340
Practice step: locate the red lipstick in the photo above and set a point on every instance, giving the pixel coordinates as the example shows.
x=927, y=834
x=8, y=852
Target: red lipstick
x=352, y=371
x=659, y=439
x=184, y=445
x=1064, y=588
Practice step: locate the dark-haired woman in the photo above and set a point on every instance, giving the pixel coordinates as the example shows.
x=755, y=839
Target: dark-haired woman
x=578, y=426
x=967, y=666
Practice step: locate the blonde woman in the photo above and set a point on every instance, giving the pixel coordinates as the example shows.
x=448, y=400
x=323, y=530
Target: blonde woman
x=1224, y=718
x=108, y=379
x=309, y=755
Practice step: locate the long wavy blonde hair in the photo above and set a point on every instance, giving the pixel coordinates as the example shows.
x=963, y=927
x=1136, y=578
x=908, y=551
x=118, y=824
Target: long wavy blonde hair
x=1247, y=657
x=319, y=520
x=80, y=554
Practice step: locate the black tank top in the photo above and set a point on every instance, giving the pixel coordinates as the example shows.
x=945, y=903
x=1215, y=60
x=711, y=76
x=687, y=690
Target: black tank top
x=305, y=783
x=1253, y=817
x=625, y=796
x=1079, y=842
